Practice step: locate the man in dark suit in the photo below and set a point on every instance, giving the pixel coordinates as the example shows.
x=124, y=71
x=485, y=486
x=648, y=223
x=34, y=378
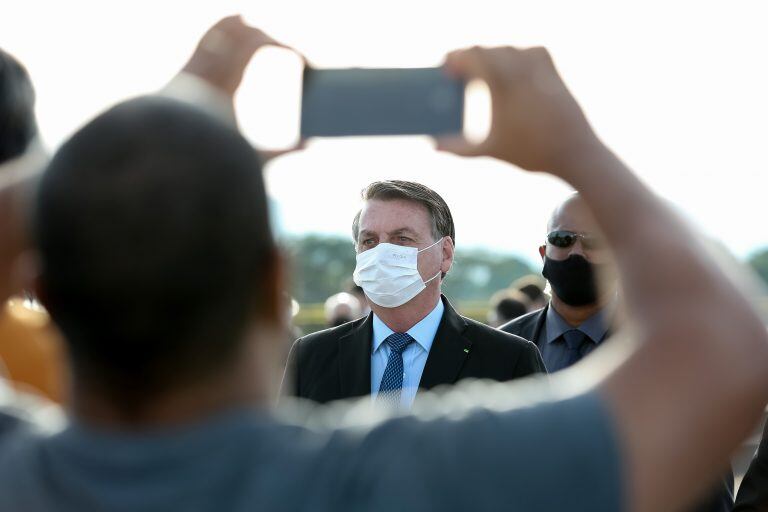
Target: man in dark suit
x=578, y=317
x=753, y=491
x=581, y=273
x=413, y=338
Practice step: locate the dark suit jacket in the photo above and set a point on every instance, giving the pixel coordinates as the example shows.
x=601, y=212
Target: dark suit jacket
x=530, y=326
x=753, y=492
x=336, y=363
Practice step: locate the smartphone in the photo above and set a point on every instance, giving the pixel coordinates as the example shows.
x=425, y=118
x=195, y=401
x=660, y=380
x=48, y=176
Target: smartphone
x=389, y=101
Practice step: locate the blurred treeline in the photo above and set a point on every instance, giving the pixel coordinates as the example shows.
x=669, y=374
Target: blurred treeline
x=759, y=261
x=321, y=266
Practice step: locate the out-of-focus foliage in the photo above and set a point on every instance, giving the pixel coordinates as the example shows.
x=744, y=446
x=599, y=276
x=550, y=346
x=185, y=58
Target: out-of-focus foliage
x=759, y=262
x=478, y=274
x=321, y=266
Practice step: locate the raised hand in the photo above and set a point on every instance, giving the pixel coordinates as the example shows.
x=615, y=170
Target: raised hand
x=536, y=123
x=224, y=52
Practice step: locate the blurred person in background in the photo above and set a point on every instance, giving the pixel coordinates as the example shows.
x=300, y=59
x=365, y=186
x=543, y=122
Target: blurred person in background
x=31, y=355
x=358, y=292
x=291, y=309
x=533, y=288
x=506, y=305
x=413, y=339
x=21, y=160
x=170, y=404
x=753, y=491
x=341, y=308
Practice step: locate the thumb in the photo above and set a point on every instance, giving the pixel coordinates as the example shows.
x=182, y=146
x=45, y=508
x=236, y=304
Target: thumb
x=268, y=155
x=458, y=145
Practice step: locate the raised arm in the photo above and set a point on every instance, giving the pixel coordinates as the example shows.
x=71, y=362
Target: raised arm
x=212, y=75
x=697, y=382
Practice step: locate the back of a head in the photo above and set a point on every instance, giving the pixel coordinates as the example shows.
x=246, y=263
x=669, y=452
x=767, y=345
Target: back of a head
x=531, y=286
x=506, y=305
x=17, y=108
x=153, y=232
x=341, y=308
x=510, y=308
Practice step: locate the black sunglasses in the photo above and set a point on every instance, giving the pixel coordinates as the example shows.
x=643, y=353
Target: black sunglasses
x=564, y=239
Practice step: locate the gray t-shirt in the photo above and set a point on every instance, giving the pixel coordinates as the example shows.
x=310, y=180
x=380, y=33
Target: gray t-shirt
x=550, y=457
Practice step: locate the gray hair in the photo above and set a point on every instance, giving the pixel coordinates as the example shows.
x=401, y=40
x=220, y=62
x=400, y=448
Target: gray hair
x=439, y=213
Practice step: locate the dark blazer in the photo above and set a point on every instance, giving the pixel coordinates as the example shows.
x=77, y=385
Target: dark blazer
x=528, y=326
x=336, y=363
x=531, y=325
x=753, y=492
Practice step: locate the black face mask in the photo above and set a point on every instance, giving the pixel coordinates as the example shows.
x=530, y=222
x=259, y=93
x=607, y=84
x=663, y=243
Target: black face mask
x=572, y=279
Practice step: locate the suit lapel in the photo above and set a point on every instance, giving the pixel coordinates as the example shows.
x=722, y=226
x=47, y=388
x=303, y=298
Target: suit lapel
x=355, y=360
x=449, y=350
x=538, y=327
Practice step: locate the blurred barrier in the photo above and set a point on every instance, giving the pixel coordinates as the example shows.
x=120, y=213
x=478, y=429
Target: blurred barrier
x=311, y=317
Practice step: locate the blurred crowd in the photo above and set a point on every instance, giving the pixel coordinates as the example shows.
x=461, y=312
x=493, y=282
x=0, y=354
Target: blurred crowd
x=150, y=358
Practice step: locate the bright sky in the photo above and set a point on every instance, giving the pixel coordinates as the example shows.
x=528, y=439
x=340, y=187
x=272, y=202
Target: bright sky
x=678, y=89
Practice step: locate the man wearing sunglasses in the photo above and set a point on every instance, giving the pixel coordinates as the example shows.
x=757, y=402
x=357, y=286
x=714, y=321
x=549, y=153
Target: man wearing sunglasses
x=575, y=259
x=582, y=275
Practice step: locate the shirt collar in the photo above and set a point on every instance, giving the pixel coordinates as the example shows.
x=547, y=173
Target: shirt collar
x=595, y=326
x=423, y=332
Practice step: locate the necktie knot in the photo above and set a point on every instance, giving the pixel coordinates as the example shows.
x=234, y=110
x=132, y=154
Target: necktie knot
x=574, y=339
x=399, y=341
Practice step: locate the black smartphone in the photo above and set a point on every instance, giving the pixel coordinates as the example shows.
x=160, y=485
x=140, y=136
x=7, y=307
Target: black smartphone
x=388, y=101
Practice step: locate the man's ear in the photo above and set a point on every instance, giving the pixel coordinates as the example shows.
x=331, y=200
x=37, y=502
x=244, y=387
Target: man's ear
x=448, y=249
x=542, y=251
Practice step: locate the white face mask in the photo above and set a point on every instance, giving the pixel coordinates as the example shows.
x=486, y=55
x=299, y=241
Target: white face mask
x=389, y=274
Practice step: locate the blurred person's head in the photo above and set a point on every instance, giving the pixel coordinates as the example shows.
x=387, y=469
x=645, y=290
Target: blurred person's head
x=577, y=261
x=532, y=287
x=357, y=291
x=404, y=236
x=17, y=108
x=22, y=158
x=157, y=260
x=506, y=305
x=341, y=308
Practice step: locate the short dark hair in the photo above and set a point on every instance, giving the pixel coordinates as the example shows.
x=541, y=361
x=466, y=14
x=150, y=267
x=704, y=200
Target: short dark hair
x=531, y=286
x=17, y=108
x=439, y=213
x=153, y=230
x=509, y=308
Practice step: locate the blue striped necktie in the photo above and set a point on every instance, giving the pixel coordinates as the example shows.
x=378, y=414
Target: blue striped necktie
x=392, y=380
